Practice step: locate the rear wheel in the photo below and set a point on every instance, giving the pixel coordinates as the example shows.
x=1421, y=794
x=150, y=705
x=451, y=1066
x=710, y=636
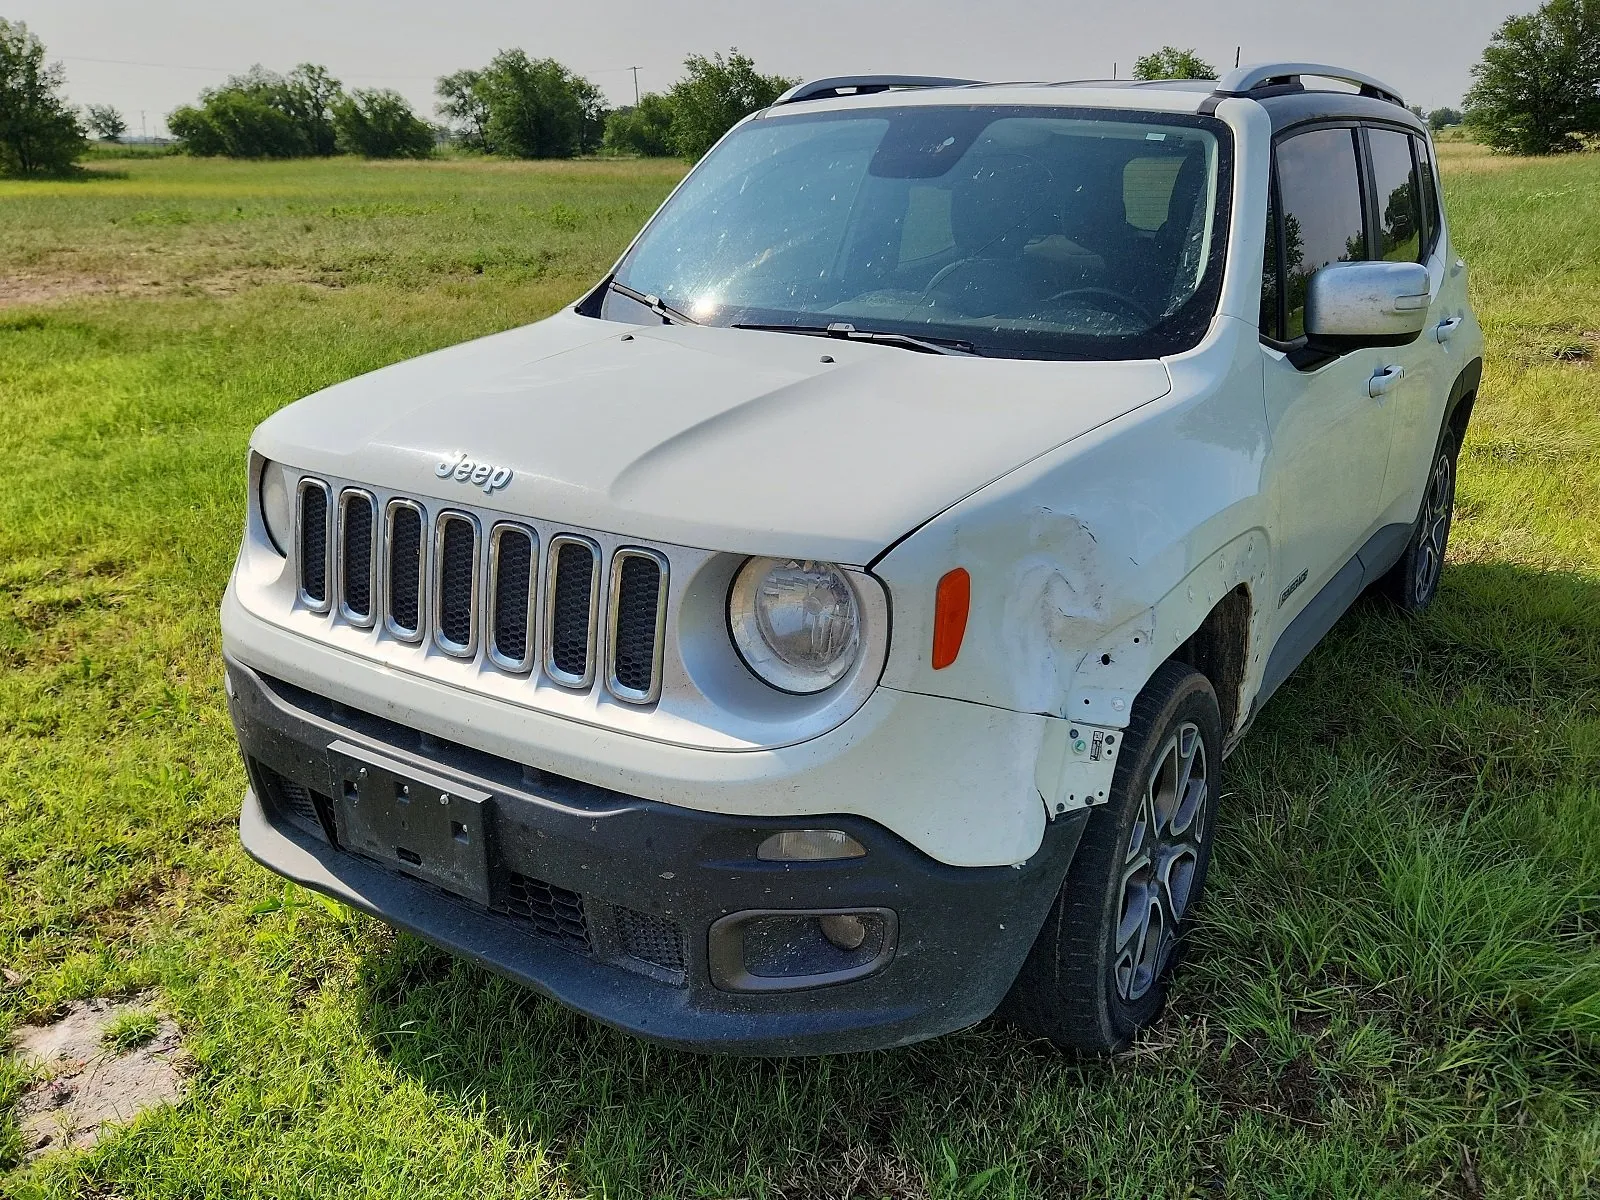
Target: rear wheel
x=1097, y=973
x=1413, y=582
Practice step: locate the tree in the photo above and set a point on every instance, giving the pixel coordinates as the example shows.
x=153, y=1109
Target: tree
x=38, y=132
x=1443, y=118
x=1169, y=62
x=1537, y=88
x=716, y=94
x=380, y=124
x=262, y=114
x=593, y=115
x=645, y=129
x=464, y=107
x=524, y=107
x=105, y=121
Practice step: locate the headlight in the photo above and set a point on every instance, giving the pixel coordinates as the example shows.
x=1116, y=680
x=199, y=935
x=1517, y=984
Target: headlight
x=277, y=509
x=797, y=625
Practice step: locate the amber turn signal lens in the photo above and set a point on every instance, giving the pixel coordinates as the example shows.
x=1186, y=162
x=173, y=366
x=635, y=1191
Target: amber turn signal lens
x=951, y=603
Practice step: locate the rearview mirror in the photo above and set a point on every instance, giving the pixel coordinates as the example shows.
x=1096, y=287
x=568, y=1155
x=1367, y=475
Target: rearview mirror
x=1351, y=305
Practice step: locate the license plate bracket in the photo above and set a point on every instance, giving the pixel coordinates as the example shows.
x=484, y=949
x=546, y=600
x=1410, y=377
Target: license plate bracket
x=418, y=823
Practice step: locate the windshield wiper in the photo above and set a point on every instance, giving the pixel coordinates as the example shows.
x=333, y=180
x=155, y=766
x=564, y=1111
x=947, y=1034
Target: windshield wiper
x=655, y=304
x=849, y=333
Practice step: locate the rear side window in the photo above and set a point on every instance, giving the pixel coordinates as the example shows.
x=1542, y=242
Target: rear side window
x=1323, y=217
x=1398, y=193
x=1432, y=222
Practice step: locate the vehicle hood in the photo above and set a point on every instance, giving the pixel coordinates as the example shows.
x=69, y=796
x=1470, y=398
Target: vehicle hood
x=735, y=440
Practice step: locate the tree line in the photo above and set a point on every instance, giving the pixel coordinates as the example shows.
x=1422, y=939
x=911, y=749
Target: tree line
x=1536, y=90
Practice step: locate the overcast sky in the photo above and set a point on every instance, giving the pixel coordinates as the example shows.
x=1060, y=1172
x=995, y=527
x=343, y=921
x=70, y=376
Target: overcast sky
x=167, y=50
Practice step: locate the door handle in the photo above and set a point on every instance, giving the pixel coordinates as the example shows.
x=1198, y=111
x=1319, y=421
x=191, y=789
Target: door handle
x=1446, y=329
x=1385, y=381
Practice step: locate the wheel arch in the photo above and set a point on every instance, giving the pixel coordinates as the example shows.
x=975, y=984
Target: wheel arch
x=1463, y=395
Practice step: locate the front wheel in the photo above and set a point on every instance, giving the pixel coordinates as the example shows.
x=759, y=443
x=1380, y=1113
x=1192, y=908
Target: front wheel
x=1413, y=582
x=1097, y=973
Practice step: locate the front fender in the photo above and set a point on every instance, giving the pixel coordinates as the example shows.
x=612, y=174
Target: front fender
x=1093, y=563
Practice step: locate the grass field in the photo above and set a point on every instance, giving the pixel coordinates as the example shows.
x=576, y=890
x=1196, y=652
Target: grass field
x=1396, y=987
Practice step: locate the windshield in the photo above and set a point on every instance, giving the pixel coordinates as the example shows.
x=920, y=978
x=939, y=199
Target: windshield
x=1024, y=232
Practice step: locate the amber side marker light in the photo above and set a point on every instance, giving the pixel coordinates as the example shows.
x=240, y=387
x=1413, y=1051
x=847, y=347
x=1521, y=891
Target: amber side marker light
x=951, y=603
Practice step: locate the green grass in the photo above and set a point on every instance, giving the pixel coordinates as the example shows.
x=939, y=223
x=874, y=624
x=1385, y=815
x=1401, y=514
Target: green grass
x=1396, y=986
x=129, y=1030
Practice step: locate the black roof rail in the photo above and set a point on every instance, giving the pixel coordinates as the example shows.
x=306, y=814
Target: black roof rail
x=864, y=85
x=1242, y=81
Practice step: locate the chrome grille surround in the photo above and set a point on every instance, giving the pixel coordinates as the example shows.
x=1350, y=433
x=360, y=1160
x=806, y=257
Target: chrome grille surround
x=448, y=609
x=562, y=592
x=504, y=593
x=313, y=544
x=396, y=547
x=358, y=557
x=631, y=605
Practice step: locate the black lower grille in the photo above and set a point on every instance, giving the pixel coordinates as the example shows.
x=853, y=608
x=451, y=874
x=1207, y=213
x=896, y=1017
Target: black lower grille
x=634, y=640
x=405, y=568
x=314, y=541
x=572, y=598
x=650, y=939
x=513, y=595
x=554, y=912
x=356, y=554
x=458, y=570
x=294, y=802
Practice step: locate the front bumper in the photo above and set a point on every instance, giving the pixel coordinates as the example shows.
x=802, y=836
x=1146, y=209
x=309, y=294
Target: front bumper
x=606, y=902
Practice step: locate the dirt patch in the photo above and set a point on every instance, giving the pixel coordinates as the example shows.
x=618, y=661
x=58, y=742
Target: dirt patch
x=17, y=290
x=20, y=291
x=85, y=1084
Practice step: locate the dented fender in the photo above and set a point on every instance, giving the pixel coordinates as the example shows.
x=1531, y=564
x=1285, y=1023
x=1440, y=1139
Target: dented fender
x=1093, y=563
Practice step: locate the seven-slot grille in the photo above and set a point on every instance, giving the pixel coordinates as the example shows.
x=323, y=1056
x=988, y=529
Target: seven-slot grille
x=473, y=592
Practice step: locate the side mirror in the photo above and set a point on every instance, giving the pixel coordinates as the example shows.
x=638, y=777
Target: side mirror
x=1351, y=305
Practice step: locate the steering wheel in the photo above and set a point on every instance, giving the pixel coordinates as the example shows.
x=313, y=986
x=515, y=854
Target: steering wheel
x=1119, y=299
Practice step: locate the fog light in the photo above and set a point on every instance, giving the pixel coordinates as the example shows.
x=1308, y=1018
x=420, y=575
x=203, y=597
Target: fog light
x=809, y=845
x=845, y=930
x=768, y=950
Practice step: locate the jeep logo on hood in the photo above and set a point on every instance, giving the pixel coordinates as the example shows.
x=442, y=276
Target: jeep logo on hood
x=464, y=470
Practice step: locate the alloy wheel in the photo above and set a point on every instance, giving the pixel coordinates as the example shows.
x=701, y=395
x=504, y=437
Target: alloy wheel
x=1435, y=532
x=1162, y=862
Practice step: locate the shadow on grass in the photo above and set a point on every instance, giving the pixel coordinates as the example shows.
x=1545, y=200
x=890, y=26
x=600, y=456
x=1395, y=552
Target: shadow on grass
x=73, y=174
x=1265, y=1037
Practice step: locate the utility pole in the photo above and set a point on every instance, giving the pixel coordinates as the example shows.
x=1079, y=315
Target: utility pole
x=143, y=132
x=635, y=71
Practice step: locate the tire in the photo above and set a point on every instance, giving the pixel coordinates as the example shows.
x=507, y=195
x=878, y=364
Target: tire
x=1413, y=582
x=1097, y=972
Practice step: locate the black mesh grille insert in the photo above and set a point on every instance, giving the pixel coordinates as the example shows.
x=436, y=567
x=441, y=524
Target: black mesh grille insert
x=314, y=543
x=569, y=612
x=293, y=802
x=512, y=594
x=357, y=555
x=650, y=939
x=458, y=563
x=639, y=584
x=552, y=911
x=405, y=568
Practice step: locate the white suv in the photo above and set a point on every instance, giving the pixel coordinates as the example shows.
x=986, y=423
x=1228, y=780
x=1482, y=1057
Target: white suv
x=830, y=631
